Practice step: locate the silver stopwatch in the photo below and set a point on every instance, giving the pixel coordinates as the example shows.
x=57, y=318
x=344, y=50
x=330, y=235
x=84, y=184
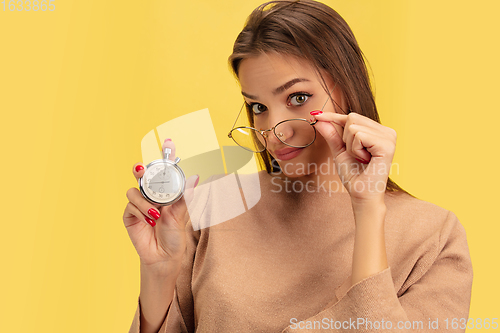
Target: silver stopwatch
x=163, y=182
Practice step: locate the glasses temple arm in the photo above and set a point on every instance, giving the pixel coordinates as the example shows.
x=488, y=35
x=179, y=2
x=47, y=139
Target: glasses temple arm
x=329, y=96
x=232, y=127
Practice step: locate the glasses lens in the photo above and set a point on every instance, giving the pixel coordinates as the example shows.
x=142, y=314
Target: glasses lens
x=296, y=133
x=249, y=139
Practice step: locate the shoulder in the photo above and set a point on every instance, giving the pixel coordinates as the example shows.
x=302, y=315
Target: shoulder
x=425, y=242
x=419, y=229
x=415, y=214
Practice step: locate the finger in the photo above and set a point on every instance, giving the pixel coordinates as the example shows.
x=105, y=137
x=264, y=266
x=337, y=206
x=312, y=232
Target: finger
x=332, y=136
x=138, y=170
x=191, y=183
x=355, y=147
x=339, y=129
x=132, y=214
x=337, y=118
x=359, y=152
x=376, y=146
x=150, y=212
x=368, y=124
x=353, y=117
x=168, y=143
x=357, y=118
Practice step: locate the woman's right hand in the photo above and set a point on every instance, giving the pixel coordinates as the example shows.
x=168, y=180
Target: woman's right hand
x=161, y=242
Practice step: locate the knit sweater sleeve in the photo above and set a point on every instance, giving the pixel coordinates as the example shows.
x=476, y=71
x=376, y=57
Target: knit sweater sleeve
x=435, y=296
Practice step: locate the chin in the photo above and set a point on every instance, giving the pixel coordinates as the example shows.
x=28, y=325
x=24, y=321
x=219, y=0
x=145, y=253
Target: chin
x=296, y=169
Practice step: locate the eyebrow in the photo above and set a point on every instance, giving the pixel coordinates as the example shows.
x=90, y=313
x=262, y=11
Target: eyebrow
x=280, y=89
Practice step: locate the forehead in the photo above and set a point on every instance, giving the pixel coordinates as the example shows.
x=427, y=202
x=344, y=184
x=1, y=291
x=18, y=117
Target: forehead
x=268, y=71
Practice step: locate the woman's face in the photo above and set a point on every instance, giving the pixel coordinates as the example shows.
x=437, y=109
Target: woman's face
x=277, y=87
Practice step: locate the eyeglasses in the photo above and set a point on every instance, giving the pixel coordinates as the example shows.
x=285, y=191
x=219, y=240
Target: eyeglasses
x=295, y=132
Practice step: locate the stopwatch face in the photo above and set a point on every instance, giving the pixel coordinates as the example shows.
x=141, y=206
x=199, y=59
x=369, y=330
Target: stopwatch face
x=163, y=182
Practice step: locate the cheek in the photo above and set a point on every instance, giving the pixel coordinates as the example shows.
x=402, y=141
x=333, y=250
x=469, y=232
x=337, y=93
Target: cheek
x=260, y=122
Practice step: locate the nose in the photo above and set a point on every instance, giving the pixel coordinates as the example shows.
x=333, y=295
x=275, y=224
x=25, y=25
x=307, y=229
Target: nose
x=275, y=116
x=271, y=138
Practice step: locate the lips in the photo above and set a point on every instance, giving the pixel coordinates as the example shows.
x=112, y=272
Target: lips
x=287, y=153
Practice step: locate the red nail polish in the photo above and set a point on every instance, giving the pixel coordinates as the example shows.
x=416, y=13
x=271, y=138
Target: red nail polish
x=197, y=180
x=167, y=140
x=315, y=112
x=139, y=168
x=154, y=213
x=150, y=221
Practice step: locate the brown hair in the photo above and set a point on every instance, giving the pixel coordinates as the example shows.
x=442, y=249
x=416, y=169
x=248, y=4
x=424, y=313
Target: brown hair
x=312, y=31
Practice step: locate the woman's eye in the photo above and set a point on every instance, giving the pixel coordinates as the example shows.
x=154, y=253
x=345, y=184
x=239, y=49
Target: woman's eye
x=258, y=108
x=298, y=100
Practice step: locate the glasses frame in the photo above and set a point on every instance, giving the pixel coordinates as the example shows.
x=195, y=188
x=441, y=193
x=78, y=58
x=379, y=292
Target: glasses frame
x=274, y=127
x=262, y=132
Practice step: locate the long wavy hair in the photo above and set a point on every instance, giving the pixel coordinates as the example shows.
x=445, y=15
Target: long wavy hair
x=312, y=31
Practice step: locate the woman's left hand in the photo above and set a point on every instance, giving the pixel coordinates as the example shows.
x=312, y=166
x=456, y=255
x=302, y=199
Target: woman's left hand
x=362, y=150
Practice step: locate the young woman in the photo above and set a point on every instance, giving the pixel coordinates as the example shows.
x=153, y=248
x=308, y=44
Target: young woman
x=359, y=253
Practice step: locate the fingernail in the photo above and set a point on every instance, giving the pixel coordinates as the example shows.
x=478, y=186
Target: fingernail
x=154, y=213
x=139, y=168
x=362, y=161
x=312, y=119
x=316, y=112
x=167, y=140
x=150, y=221
x=197, y=180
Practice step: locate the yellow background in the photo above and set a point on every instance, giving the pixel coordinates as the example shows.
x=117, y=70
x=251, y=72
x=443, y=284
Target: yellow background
x=80, y=87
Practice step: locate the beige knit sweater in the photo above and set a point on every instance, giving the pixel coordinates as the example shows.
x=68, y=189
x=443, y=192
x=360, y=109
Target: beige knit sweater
x=284, y=265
